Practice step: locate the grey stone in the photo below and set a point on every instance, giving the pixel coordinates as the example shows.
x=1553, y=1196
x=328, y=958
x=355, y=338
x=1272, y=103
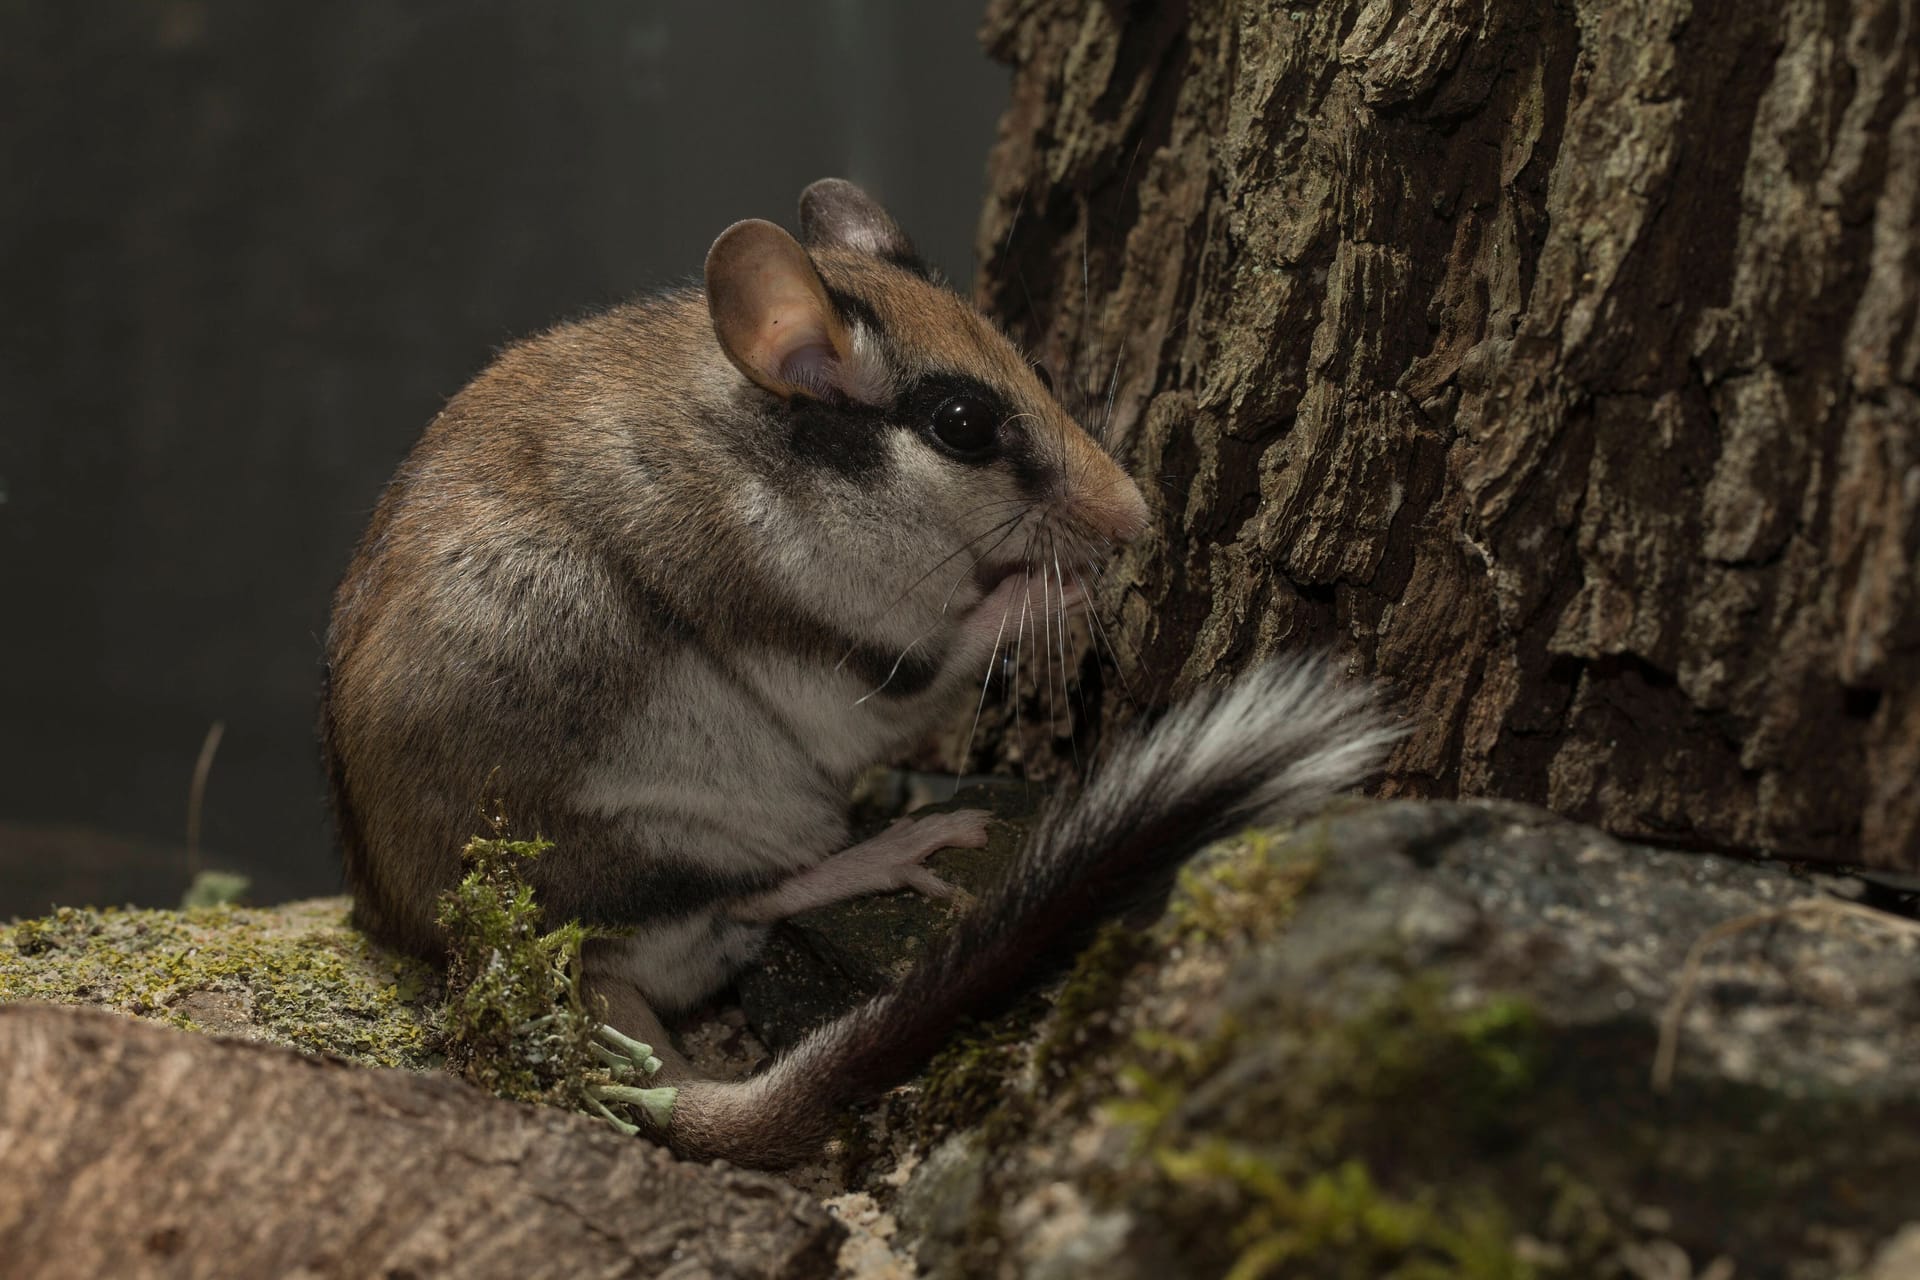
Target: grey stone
x=937, y=1201
x=1468, y=1002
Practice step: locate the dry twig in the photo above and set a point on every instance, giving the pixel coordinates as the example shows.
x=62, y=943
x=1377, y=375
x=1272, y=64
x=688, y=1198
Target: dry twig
x=1832, y=909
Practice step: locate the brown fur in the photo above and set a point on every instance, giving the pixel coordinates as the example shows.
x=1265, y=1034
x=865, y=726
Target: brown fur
x=566, y=538
x=663, y=580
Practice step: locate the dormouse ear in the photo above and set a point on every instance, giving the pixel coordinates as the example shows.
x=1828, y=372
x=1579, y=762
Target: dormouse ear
x=771, y=312
x=836, y=214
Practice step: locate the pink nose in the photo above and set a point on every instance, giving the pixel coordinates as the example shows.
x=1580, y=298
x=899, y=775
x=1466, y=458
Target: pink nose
x=1111, y=506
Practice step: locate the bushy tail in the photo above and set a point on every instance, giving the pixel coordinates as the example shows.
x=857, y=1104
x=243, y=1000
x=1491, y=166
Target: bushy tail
x=1277, y=742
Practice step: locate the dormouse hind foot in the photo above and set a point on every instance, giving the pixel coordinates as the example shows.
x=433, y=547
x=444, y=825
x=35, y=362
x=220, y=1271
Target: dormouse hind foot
x=628, y=1059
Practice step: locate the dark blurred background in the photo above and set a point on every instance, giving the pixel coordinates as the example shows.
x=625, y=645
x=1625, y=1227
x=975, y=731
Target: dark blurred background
x=247, y=249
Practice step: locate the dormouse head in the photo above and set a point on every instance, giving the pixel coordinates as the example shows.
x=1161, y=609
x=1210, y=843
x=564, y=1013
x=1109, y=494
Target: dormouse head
x=905, y=437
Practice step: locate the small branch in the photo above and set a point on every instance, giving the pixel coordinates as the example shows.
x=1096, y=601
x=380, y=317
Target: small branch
x=1810, y=911
x=197, y=793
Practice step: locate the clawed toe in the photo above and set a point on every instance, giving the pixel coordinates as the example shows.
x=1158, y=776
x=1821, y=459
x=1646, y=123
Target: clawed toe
x=961, y=829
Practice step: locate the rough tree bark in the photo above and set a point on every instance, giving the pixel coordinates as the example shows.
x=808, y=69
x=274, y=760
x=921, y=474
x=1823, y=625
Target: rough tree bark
x=131, y=1150
x=1556, y=362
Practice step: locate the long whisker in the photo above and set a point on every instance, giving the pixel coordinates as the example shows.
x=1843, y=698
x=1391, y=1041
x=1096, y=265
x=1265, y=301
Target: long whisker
x=1113, y=386
x=1086, y=294
x=1065, y=689
x=976, y=564
x=911, y=646
x=1098, y=629
x=1006, y=251
x=1019, y=646
x=1120, y=195
x=1024, y=503
x=1124, y=654
x=1046, y=653
x=1014, y=519
x=1020, y=274
x=986, y=682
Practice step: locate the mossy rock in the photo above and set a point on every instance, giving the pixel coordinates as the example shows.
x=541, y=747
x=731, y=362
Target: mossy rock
x=297, y=975
x=1419, y=1041
x=507, y=1014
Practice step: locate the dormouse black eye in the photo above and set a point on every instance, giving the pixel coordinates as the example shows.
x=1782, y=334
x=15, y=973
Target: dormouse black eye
x=965, y=425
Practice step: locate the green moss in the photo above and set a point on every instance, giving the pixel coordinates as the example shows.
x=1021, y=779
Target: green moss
x=1151, y=1096
x=1081, y=1022
x=516, y=1022
x=298, y=975
x=1244, y=890
x=215, y=889
x=1262, y=1155
x=1334, y=1088
x=1261, y=1133
x=1253, y=1095
x=1579, y=1221
x=512, y=1019
x=1470, y=1069
x=1335, y=1222
x=970, y=1078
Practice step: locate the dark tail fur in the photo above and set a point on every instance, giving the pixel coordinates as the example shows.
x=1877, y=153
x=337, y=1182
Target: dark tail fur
x=1270, y=745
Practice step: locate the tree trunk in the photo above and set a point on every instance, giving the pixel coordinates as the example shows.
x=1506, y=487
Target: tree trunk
x=1555, y=362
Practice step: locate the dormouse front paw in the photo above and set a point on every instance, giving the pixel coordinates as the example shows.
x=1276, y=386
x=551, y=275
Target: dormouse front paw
x=892, y=859
x=961, y=829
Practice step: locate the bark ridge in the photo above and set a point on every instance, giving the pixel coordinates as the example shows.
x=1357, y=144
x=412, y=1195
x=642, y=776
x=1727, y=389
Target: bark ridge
x=1558, y=363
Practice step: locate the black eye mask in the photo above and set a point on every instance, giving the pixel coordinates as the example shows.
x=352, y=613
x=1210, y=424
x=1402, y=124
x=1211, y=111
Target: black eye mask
x=845, y=438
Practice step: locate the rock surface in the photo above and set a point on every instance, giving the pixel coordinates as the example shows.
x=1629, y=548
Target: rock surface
x=1401, y=1040
x=137, y=1150
x=1421, y=1040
